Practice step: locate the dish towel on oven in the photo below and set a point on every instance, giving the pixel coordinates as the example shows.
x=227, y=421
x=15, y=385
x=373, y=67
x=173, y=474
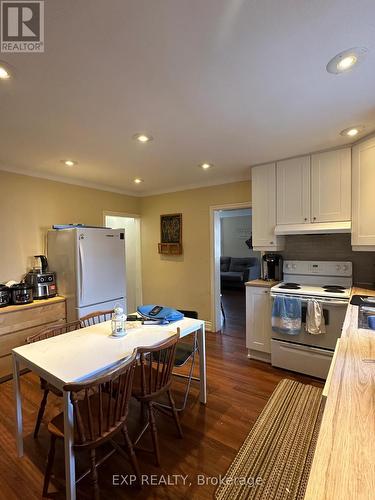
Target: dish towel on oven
x=315, y=323
x=287, y=315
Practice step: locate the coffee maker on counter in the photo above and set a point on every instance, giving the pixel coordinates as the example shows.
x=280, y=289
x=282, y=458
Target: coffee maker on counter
x=272, y=267
x=42, y=280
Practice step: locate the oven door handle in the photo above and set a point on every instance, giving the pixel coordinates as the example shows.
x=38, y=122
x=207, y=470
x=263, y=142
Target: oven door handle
x=333, y=302
x=323, y=302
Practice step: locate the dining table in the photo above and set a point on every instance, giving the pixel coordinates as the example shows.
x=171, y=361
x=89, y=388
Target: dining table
x=83, y=353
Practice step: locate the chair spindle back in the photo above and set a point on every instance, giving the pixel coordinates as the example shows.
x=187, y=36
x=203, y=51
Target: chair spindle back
x=100, y=405
x=53, y=331
x=156, y=365
x=96, y=317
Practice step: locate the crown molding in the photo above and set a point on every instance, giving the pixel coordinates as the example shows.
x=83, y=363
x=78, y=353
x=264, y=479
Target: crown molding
x=67, y=180
x=103, y=187
x=198, y=185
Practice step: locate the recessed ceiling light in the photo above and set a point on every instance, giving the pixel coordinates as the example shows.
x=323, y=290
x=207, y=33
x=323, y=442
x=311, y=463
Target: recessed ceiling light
x=142, y=138
x=138, y=180
x=346, y=60
x=352, y=131
x=69, y=163
x=5, y=72
x=206, y=166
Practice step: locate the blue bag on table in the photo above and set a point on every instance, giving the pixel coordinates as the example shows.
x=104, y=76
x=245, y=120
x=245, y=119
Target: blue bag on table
x=163, y=316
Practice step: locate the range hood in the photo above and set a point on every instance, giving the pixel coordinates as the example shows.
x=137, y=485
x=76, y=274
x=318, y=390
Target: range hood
x=314, y=228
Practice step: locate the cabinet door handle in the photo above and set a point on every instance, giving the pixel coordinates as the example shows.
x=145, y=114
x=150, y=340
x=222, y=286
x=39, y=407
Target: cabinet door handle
x=266, y=291
x=271, y=242
x=305, y=219
x=314, y=218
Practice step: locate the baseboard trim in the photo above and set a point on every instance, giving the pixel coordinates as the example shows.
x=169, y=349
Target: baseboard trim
x=208, y=326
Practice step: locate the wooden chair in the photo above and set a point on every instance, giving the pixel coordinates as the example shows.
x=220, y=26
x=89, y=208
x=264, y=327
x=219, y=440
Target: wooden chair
x=100, y=407
x=53, y=331
x=153, y=379
x=96, y=317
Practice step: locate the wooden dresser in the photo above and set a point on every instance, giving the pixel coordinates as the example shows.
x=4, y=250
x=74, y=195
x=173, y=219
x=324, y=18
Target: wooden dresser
x=18, y=322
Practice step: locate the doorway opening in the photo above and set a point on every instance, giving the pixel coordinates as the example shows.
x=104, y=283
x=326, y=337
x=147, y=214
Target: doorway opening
x=132, y=226
x=233, y=264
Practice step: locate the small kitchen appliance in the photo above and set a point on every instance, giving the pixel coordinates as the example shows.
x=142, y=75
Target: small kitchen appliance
x=5, y=295
x=22, y=293
x=42, y=281
x=330, y=284
x=272, y=267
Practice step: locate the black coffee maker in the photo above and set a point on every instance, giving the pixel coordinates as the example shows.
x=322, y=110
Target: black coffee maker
x=272, y=267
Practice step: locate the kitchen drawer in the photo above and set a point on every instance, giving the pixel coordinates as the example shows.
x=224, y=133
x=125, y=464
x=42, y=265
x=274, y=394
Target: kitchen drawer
x=16, y=339
x=31, y=317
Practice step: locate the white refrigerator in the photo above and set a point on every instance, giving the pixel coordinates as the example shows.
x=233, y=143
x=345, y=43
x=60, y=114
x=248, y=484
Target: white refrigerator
x=90, y=268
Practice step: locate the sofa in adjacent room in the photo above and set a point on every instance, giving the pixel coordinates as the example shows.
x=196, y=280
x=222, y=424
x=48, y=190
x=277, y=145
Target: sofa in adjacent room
x=236, y=271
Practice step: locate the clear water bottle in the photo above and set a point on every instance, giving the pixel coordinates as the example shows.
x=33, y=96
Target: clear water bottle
x=118, y=322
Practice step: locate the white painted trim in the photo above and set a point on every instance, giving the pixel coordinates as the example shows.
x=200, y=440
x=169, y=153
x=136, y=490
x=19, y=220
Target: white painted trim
x=138, y=263
x=111, y=189
x=215, y=260
x=119, y=214
x=67, y=180
x=203, y=184
x=208, y=326
x=363, y=248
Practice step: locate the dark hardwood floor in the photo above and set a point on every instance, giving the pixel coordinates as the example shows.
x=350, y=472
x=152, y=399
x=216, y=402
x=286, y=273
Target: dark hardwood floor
x=234, y=304
x=237, y=392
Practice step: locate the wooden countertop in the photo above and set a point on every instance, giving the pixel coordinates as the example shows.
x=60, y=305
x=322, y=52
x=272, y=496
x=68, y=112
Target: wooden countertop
x=262, y=283
x=36, y=303
x=343, y=466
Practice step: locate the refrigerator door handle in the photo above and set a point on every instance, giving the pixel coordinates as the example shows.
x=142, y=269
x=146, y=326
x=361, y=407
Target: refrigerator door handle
x=81, y=265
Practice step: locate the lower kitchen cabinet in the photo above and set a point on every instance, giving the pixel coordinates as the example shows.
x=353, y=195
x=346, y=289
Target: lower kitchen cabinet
x=19, y=322
x=258, y=322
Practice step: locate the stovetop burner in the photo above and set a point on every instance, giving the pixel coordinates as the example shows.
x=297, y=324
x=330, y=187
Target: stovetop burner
x=333, y=287
x=291, y=286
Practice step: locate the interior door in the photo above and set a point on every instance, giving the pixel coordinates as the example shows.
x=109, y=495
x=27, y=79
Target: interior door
x=293, y=191
x=101, y=265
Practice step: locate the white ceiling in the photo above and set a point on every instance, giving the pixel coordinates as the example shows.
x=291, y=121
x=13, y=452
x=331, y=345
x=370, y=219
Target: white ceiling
x=232, y=82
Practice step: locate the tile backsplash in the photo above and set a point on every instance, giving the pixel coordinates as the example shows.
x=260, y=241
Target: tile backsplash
x=331, y=247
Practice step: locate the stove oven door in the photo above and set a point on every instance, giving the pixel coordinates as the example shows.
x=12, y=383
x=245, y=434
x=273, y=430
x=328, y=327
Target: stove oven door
x=334, y=313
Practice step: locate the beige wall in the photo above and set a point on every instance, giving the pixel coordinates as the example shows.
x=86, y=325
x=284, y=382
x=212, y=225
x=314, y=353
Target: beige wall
x=183, y=281
x=29, y=206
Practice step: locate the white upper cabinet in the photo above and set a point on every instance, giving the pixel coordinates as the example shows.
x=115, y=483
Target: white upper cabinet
x=314, y=197
x=363, y=196
x=263, y=182
x=331, y=186
x=293, y=191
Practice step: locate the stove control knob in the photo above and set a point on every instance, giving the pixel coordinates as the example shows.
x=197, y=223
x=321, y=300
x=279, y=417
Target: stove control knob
x=294, y=266
x=338, y=267
x=287, y=266
x=345, y=267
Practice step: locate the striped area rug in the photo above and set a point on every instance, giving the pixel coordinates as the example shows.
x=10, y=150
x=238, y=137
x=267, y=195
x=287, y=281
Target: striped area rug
x=275, y=459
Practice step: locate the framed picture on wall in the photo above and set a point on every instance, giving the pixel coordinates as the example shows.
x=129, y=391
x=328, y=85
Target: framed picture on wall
x=170, y=234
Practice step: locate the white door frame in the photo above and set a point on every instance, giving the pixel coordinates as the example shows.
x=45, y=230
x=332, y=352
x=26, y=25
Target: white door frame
x=138, y=250
x=215, y=250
